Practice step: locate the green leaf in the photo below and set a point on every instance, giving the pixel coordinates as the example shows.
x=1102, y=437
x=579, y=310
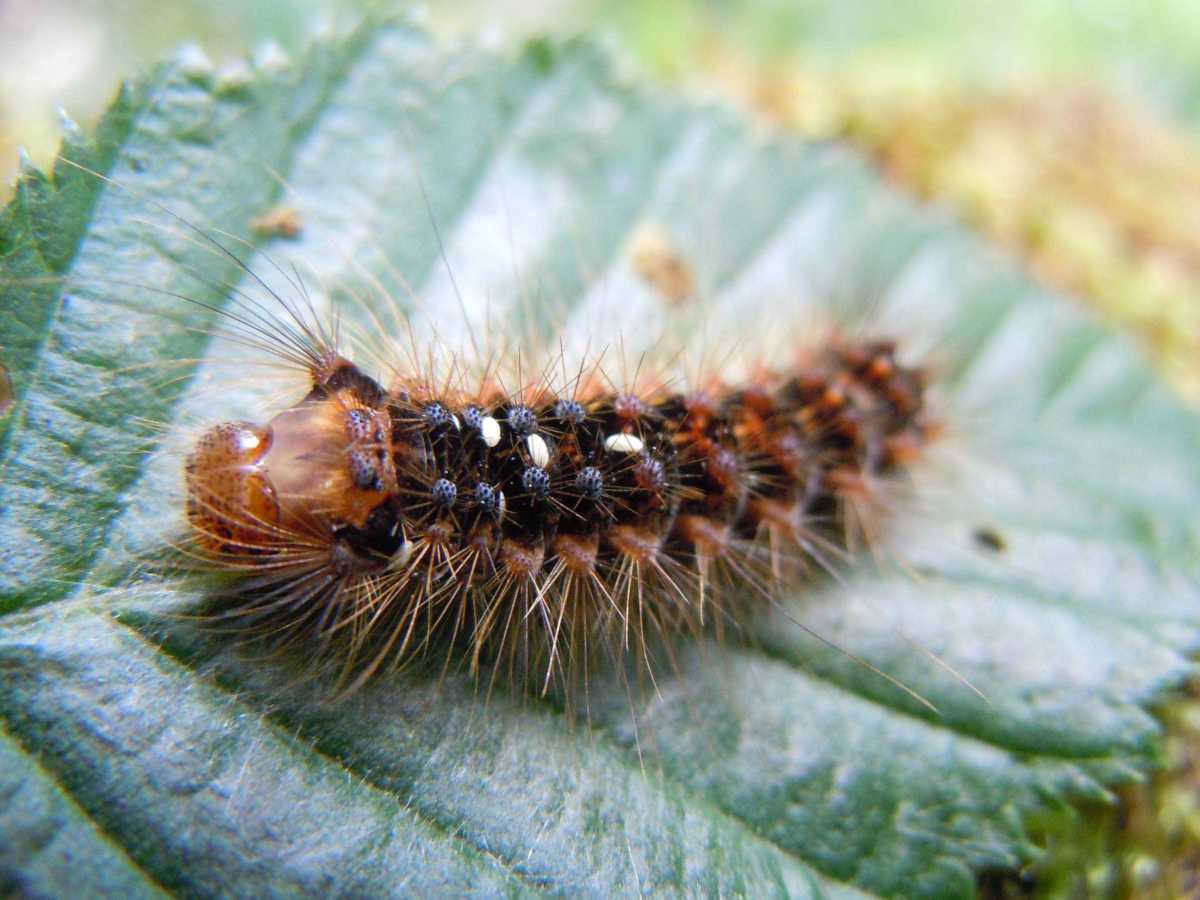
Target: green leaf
x=142, y=756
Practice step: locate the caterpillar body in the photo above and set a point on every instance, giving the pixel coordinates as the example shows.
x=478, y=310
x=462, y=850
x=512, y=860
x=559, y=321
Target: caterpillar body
x=547, y=525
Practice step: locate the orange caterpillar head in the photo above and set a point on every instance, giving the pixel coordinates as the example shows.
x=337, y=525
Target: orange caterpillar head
x=326, y=462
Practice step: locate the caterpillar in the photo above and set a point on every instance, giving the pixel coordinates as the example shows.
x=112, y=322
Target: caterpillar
x=546, y=524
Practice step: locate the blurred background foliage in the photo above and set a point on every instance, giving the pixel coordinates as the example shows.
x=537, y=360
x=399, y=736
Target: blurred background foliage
x=1064, y=129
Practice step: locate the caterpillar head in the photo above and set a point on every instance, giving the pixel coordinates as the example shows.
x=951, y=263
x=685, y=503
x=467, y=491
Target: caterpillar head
x=324, y=464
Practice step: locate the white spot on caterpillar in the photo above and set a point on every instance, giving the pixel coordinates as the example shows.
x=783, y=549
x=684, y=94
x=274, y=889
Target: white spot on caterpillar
x=624, y=443
x=247, y=441
x=489, y=430
x=538, y=451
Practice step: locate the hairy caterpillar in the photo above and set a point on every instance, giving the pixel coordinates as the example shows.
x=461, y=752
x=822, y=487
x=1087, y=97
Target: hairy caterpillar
x=543, y=522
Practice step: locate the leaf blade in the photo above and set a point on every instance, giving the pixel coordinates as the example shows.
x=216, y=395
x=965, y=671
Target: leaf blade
x=540, y=803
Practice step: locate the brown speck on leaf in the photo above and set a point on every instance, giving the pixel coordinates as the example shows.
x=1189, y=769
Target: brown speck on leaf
x=990, y=539
x=654, y=256
x=283, y=221
x=6, y=391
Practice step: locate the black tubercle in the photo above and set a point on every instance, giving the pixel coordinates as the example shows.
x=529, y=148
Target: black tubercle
x=437, y=415
x=590, y=483
x=363, y=471
x=489, y=500
x=536, y=481
x=472, y=417
x=570, y=411
x=444, y=492
x=522, y=420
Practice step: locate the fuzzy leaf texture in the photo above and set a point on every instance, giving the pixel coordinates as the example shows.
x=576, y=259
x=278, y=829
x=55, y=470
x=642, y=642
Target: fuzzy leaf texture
x=141, y=756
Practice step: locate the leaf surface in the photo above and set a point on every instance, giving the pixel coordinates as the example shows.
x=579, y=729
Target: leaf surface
x=166, y=761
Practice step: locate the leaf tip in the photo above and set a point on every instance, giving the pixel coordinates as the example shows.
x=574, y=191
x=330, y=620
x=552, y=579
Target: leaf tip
x=190, y=61
x=71, y=132
x=269, y=56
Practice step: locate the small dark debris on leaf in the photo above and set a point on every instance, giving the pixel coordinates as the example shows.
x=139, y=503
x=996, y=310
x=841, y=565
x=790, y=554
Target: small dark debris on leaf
x=655, y=257
x=1005, y=884
x=6, y=391
x=990, y=539
x=283, y=221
